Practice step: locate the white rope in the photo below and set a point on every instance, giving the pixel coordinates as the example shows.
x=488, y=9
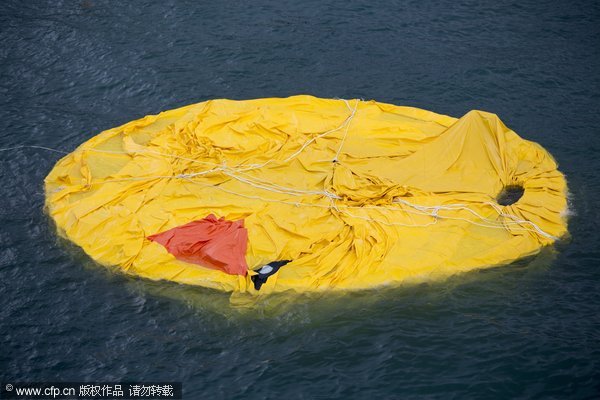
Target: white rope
x=33, y=147
x=337, y=155
x=342, y=209
x=282, y=189
x=158, y=153
x=297, y=204
x=310, y=141
x=423, y=210
x=490, y=224
x=522, y=221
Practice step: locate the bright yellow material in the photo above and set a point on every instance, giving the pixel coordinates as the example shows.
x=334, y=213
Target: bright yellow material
x=357, y=193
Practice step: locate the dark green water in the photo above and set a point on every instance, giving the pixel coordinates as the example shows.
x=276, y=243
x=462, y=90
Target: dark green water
x=70, y=69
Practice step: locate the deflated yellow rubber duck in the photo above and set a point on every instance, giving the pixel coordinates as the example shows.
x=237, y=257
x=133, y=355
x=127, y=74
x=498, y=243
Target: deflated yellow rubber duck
x=307, y=194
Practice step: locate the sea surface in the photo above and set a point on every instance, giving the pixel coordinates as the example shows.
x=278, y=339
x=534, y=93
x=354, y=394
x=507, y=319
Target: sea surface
x=70, y=69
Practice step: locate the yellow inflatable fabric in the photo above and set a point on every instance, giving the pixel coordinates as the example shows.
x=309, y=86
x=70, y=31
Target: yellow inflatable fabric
x=358, y=194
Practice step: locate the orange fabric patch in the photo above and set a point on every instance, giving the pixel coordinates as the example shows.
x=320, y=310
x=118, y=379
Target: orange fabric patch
x=209, y=242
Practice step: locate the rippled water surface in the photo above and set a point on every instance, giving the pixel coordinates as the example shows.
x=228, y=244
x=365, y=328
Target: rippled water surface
x=69, y=69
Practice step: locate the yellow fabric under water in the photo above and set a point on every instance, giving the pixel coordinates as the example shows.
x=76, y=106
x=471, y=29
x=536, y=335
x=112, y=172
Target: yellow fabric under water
x=357, y=193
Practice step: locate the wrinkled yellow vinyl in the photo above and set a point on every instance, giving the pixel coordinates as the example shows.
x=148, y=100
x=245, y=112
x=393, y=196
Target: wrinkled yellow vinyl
x=358, y=194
